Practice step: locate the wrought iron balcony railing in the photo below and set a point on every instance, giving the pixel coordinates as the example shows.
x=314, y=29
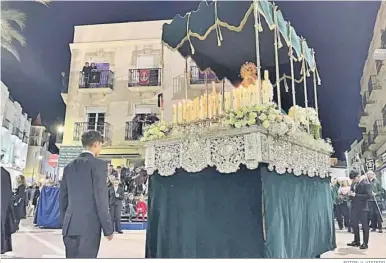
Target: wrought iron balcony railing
x=373, y=84
x=134, y=130
x=366, y=99
x=365, y=145
x=379, y=127
x=6, y=123
x=146, y=77
x=103, y=127
x=96, y=79
x=25, y=138
x=201, y=77
x=59, y=138
x=16, y=131
x=370, y=138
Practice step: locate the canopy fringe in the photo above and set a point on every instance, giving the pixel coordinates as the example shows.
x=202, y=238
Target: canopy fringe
x=188, y=33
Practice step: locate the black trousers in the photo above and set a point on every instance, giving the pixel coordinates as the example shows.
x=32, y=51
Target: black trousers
x=363, y=217
x=115, y=212
x=343, y=215
x=374, y=216
x=82, y=246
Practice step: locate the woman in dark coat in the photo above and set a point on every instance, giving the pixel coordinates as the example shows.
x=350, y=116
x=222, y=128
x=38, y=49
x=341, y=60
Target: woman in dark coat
x=8, y=224
x=20, y=200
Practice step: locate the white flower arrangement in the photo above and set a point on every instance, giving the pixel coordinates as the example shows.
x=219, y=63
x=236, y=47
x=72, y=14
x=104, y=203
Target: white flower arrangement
x=156, y=131
x=267, y=116
x=306, y=118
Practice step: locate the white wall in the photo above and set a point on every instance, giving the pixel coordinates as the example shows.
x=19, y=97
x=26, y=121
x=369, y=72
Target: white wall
x=338, y=172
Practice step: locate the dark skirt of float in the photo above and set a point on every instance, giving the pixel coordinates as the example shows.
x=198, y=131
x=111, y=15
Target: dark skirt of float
x=247, y=214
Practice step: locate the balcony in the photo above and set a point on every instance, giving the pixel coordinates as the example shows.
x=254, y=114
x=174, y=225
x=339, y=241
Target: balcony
x=16, y=132
x=366, y=101
x=374, y=87
x=144, y=79
x=365, y=145
x=104, y=128
x=134, y=129
x=379, y=128
x=59, y=138
x=25, y=139
x=6, y=123
x=201, y=77
x=101, y=81
x=371, y=141
x=195, y=85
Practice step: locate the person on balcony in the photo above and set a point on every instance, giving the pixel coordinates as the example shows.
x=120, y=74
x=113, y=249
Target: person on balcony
x=86, y=74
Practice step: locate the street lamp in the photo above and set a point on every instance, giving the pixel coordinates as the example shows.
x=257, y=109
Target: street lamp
x=60, y=129
x=39, y=158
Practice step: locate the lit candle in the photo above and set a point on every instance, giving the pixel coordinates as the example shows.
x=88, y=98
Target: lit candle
x=201, y=107
x=236, y=98
x=227, y=100
x=180, y=115
x=220, y=104
x=174, y=113
x=245, y=96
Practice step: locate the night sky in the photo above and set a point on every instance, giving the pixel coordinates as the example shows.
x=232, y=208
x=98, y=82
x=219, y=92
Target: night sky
x=340, y=32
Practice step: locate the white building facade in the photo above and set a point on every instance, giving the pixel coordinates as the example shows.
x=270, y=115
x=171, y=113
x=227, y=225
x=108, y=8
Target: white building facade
x=15, y=132
x=133, y=68
x=373, y=91
x=38, y=153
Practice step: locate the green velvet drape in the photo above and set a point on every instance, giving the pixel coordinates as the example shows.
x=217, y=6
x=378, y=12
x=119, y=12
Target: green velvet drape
x=205, y=215
x=213, y=215
x=298, y=215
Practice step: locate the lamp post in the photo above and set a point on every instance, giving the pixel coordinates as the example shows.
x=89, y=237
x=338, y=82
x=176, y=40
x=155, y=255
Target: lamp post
x=39, y=158
x=59, y=133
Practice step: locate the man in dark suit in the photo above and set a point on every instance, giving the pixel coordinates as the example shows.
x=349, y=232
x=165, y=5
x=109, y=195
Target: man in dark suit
x=116, y=195
x=8, y=224
x=360, y=193
x=84, y=203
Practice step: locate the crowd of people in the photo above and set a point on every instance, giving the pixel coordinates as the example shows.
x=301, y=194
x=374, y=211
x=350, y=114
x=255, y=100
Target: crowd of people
x=358, y=199
x=127, y=194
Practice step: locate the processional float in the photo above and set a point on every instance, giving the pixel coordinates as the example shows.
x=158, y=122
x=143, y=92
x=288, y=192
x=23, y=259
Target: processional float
x=240, y=143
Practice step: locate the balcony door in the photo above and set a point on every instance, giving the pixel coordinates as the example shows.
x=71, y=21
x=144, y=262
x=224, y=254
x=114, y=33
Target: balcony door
x=145, y=61
x=96, y=121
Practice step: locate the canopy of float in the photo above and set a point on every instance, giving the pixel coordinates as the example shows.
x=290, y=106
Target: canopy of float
x=221, y=35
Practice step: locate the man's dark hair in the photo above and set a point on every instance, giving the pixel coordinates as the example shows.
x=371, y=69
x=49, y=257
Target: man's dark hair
x=353, y=174
x=91, y=137
x=1, y=156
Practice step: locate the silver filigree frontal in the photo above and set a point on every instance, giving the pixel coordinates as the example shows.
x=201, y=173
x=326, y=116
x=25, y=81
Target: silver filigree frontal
x=228, y=151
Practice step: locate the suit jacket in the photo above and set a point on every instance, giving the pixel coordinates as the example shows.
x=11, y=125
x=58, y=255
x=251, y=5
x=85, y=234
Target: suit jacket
x=84, y=203
x=363, y=194
x=114, y=200
x=8, y=219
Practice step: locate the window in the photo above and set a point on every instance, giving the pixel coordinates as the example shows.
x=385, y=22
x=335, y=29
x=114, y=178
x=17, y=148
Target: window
x=145, y=61
x=378, y=65
x=96, y=122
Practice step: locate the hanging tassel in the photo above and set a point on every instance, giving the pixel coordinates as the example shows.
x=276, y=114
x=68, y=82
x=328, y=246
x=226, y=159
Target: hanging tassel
x=259, y=26
x=286, y=84
x=218, y=28
x=187, y=32
x=317, y=76
x=280, y=44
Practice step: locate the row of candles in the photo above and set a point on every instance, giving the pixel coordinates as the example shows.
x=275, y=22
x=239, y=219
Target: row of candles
x=215, y=104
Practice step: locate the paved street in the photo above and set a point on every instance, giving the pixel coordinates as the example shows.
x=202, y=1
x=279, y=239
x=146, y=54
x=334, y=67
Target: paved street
x=30, y=242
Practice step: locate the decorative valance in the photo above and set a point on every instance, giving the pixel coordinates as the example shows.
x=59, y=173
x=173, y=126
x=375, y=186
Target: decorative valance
x=248, y=146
